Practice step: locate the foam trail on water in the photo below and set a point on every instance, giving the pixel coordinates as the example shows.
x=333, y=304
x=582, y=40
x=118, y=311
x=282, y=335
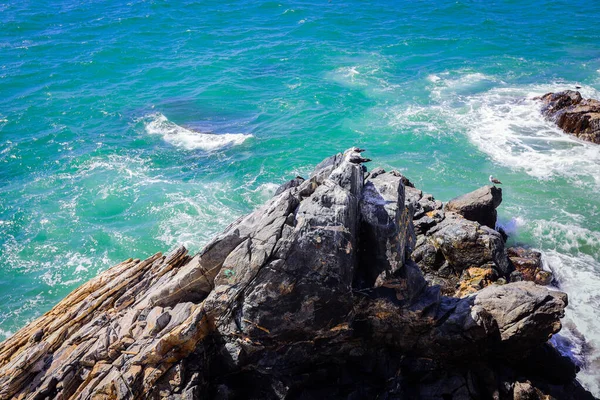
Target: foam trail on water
x=158, y=124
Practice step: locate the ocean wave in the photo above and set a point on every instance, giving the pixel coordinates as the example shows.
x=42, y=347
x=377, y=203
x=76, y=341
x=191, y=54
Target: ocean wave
x=192, y=218
x=571, y=252
x=158, y=124
x=368, y=73
x=566, y=238
x=579, y=276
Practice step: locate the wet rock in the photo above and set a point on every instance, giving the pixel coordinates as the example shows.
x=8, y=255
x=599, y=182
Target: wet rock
x=529, y=265
x=543, y=278
x=573, y=114
x=479, y=205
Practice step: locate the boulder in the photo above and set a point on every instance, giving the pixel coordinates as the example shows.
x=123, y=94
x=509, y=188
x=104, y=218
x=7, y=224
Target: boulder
x=474, y=279
x=479, y=205
x=573, y=114
x=297, y=181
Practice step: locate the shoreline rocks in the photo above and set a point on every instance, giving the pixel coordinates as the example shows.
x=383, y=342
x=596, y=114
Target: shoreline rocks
x=313, y=295
x=573, y=114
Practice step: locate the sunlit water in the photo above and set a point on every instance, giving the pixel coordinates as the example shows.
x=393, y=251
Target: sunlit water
x=130, y=128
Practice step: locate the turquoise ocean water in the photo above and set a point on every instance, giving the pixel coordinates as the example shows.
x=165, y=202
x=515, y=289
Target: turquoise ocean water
x=127, y=128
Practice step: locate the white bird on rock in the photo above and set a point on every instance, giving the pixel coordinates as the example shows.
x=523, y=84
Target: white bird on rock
x=495, y=181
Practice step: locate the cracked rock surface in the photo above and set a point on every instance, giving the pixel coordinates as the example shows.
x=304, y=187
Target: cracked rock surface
x=313, y=295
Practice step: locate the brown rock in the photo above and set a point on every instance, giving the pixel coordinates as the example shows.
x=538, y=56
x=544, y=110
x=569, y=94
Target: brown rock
x=529, y=264
x=474, y=279
x=573, y=114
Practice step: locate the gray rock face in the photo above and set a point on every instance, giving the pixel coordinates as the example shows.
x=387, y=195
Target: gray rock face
x=448, y=243
x=479, y=205
x=312, y=295
x=297, y=181
x=504, y=304
x=387, y=237
x=573, y=114
x=466, y=244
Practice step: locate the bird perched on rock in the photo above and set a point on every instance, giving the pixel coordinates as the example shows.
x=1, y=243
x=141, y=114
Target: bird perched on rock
x=353, y=155
x=495, y=181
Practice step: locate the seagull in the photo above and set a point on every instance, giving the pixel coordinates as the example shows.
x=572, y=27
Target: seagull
x=495, y=181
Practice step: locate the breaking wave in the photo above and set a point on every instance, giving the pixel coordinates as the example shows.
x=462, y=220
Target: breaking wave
x=158, y=124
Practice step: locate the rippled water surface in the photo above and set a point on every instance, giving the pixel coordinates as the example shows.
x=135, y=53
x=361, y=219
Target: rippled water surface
x=130, y=128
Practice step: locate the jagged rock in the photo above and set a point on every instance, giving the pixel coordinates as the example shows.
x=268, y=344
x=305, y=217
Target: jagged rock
x=519, y=324
x=573, y=114
x=465, y=243
x=529, y=265
x=479, y=205
x=455, y=245
x=297, y=181
x=387, y=237
x=295, y=300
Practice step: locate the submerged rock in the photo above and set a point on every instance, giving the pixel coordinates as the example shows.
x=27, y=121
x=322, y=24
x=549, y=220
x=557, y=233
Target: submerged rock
x=573, y=114
x=313, y=295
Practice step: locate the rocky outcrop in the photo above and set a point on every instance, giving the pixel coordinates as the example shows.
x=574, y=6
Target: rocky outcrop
x=313, y=295
x=451, y=240
x=479, y=205
x=574, y=114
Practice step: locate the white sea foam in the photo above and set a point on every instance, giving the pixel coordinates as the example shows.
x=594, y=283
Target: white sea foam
x=511, y=226
x=448, y=85
x=506, y=123
x=5, y=334
x=571, y=253
x=566, y=237
x=367, y=73
x=158, y=124
x=191, y=220
x=579, y=276
x=425, y=120
x=260, y=194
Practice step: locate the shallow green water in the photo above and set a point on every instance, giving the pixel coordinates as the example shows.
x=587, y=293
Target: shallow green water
x=127, y=129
